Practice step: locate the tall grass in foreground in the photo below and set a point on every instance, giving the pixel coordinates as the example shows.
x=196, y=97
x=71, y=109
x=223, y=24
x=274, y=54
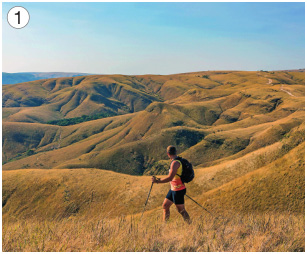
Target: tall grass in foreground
x=266, y=232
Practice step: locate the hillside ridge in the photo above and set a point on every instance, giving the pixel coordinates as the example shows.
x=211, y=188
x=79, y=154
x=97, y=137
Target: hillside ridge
x=79, y=153
x=210, y=116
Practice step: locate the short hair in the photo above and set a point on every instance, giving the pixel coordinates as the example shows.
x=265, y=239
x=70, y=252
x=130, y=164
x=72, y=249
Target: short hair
x=171, y=150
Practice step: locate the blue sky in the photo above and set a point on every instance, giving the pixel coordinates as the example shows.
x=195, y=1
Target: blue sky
x=155, y=38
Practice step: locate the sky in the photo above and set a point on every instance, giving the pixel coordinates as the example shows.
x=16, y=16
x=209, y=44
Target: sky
x=155, y=38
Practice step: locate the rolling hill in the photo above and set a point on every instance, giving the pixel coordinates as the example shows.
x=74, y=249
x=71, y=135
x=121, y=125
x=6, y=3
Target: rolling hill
x=71, y=190
x=210, y=116
x=244, y=133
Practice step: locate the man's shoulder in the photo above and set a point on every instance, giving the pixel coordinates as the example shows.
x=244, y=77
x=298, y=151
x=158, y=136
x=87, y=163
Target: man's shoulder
x=176, y=162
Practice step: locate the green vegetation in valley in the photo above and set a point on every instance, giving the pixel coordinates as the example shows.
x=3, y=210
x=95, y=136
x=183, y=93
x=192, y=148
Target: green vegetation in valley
x=84, y=118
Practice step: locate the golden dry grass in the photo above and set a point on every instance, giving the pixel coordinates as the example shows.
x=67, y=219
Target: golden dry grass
x=236, y=112
x=243, y=134
x=29, y=192
x=252, y=232
x=96, y=210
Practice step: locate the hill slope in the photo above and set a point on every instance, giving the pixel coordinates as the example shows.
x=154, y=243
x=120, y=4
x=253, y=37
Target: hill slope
x=244, y=132
x=278, y=187
x=210, y=116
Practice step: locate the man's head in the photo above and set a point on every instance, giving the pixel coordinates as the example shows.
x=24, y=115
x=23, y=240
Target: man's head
x=171, y=151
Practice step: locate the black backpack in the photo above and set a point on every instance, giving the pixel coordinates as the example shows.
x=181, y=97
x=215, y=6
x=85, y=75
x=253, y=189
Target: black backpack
x=187, y=170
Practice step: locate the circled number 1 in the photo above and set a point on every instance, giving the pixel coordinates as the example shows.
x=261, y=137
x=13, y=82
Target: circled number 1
x=18, y=14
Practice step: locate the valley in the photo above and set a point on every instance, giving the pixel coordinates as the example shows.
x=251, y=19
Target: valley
x=243, y=131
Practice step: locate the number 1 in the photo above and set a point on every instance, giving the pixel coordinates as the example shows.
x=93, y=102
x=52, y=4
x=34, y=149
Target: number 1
x=18, y=13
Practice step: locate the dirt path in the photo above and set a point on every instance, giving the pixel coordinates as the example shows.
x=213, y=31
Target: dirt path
x=281, y=89
x=270, y=81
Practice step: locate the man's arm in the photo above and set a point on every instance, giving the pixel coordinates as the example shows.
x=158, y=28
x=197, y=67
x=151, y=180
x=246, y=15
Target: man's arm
x=173, y=171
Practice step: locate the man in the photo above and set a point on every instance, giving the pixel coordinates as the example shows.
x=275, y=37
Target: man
x=178, y=189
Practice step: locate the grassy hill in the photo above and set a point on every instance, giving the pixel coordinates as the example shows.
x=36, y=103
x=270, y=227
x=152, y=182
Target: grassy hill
x=210, y=116
x=278, y=186
x=82, y=187
x=259, y=211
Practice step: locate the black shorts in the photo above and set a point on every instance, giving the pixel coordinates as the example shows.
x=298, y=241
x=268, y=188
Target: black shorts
x=176, y=197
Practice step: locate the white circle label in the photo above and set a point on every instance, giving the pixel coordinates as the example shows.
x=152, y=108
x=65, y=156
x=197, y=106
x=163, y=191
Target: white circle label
x=18, y=17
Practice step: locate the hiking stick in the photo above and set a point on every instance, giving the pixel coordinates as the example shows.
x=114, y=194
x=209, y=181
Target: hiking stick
x=199, y=205
x=146, y=200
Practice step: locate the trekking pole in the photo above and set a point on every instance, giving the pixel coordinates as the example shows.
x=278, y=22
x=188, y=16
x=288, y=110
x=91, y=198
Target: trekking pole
x=146, y=201
x=199, y=205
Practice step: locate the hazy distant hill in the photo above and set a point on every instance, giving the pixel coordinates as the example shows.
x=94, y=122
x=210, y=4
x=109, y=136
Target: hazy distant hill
x=19, y=77
x=296, y=70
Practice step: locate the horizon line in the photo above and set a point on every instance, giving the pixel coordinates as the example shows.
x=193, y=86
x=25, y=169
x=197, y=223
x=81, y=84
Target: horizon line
x=71, y=72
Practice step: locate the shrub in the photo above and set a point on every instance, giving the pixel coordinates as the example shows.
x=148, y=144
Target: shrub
x=84, y=118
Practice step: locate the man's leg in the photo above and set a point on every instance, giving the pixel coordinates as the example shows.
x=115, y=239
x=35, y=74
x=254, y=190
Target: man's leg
x=166, y=212
x=184, y=213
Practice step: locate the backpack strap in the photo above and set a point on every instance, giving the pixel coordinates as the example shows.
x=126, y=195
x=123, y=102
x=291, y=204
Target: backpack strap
x=176, y=159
